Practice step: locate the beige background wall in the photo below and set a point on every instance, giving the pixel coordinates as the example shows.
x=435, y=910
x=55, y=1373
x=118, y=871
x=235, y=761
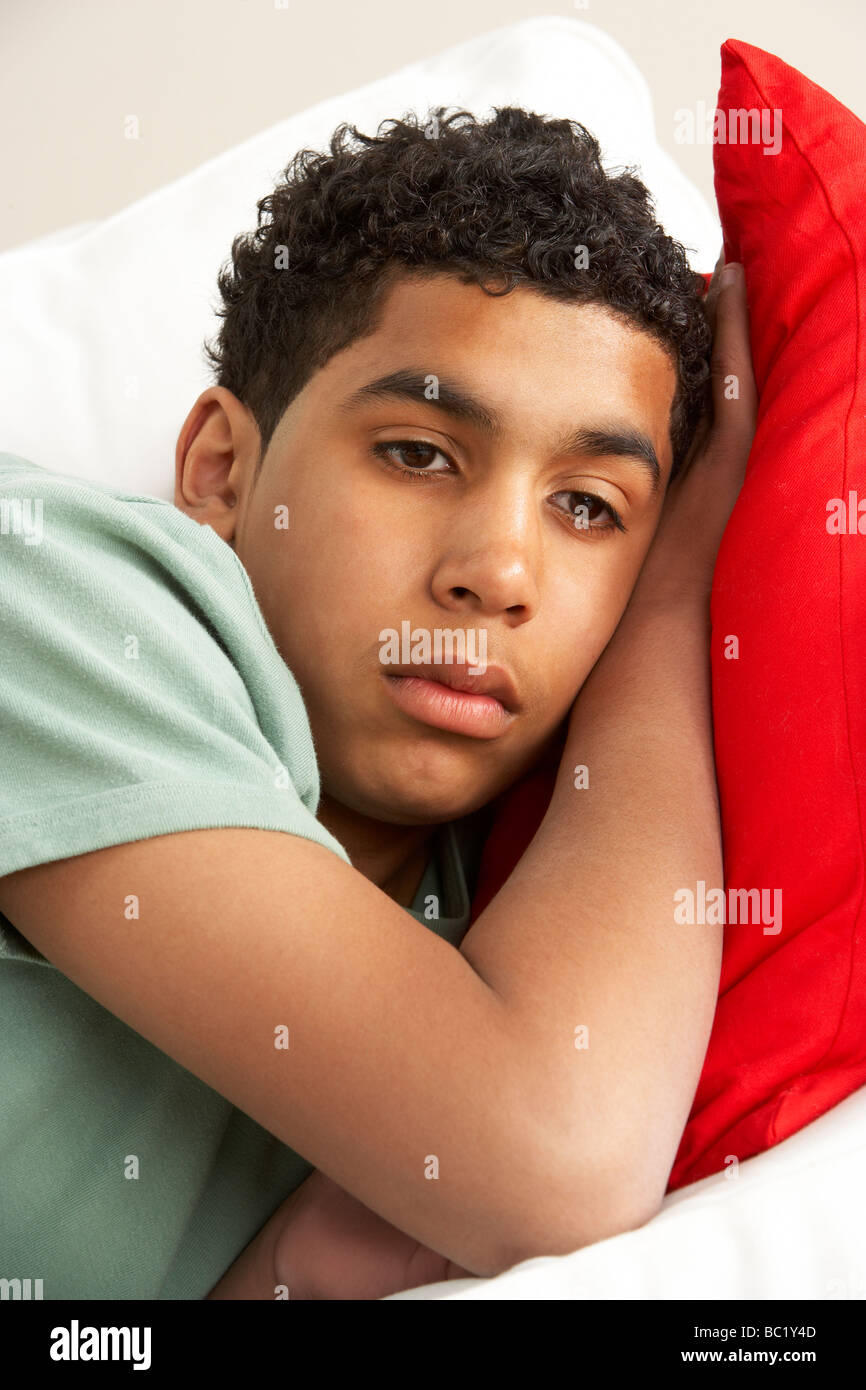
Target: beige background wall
x=202, y=75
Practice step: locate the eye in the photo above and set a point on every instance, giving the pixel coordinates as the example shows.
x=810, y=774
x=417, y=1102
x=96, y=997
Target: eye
x=419, y=451
x=582, y=508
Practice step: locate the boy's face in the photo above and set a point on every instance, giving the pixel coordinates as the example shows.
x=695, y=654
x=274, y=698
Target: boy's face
x=487, y=544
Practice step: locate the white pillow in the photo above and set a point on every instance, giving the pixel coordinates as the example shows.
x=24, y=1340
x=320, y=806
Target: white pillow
x=102, y=325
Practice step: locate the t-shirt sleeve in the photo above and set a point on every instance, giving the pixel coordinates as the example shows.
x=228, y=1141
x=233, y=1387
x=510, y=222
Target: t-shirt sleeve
x=140, y=692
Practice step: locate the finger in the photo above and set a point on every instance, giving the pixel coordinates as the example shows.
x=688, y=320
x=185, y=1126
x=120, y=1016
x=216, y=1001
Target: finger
x=713, y=290
x=735, y=396
x=717, y=269
x=696, y=447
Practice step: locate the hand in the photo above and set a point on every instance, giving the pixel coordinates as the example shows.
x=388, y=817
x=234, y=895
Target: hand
x=328, y=1245
x=682, y=557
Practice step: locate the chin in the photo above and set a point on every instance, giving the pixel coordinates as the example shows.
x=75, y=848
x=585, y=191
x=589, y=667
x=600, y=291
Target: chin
x=404, y=806
x=405, y=799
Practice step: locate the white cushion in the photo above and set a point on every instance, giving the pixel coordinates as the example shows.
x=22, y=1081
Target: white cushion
x=102, y=326
x=791, y=1224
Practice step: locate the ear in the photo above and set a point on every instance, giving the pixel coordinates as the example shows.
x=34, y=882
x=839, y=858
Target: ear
x=215, y=460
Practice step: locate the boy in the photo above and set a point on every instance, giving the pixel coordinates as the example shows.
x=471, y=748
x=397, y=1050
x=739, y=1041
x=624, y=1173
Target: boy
x=225, y=783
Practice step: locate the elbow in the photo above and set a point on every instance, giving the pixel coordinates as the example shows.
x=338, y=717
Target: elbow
x=582, y=1212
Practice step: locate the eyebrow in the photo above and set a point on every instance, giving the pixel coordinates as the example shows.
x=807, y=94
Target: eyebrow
x=410, y=384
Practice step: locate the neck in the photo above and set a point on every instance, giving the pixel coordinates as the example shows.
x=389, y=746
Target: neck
x=393, y=857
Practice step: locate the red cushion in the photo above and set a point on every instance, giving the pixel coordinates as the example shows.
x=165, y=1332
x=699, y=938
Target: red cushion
x=789, y=1037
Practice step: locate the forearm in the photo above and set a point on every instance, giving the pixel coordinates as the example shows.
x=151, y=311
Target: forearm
x=583, y=932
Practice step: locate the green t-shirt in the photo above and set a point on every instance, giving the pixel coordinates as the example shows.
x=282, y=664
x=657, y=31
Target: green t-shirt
x=141, y=694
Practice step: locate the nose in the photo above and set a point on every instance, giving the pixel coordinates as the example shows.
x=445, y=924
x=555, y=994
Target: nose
x=491, y=553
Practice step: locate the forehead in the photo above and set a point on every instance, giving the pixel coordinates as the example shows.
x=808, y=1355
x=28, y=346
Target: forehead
x=524, y=352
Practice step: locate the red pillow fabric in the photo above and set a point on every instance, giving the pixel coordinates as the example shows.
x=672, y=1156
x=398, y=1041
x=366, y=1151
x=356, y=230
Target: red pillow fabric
x=789, y=694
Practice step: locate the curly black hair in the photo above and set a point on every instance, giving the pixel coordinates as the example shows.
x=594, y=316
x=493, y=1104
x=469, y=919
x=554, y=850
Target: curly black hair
x=509, y=201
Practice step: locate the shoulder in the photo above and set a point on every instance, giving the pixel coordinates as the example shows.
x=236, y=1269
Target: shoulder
x=98, y=578
x=136, y=658
x=103, y=558
x=50, y=512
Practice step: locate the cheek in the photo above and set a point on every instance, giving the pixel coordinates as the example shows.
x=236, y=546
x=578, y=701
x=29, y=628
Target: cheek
x=312, y=554
x=583, y=617
x=344, y=526
x=359, y=558
x=329, y=583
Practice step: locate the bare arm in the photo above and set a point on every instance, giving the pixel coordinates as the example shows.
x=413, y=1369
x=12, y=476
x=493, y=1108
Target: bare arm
x=390, y=1030
x=403, y=1049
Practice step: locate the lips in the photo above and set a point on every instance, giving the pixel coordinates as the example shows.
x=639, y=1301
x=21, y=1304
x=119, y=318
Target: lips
x=495, y=681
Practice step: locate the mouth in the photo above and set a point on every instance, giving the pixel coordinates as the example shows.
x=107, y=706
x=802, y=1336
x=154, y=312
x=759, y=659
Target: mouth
x=447, y=697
